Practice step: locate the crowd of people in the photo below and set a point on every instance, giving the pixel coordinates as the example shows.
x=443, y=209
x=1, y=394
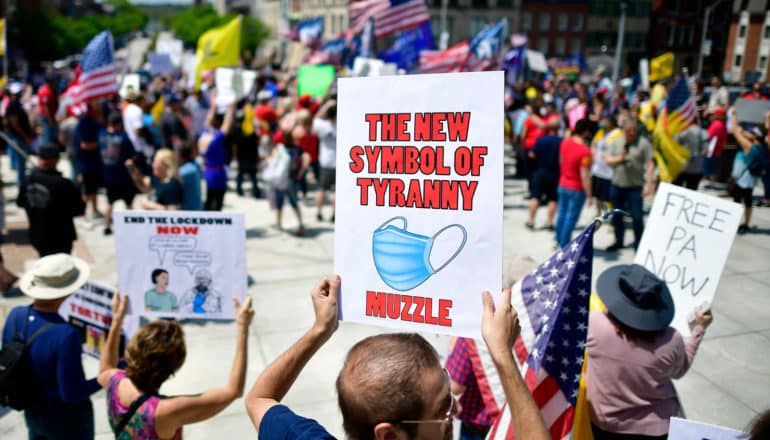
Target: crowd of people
x=575, y=144
x=582, y=144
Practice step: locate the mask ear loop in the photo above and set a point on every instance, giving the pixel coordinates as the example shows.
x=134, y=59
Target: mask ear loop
x=403, y=219
x=459, y=248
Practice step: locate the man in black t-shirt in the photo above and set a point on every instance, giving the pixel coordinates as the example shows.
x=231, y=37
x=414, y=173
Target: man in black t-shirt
x=173, y=124
x=87, y=156
x=51, y=202
x=20, y=131
x=544, y=155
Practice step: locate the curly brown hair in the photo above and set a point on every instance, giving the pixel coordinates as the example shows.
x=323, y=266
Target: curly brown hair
x=155, y=352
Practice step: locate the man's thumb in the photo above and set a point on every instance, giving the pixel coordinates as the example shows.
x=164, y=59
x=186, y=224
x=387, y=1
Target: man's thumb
x=489, y=303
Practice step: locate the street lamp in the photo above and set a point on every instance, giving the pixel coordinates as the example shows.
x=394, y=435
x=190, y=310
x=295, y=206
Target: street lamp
x=706, y=18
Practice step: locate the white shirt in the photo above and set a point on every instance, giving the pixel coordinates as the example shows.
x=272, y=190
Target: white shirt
x=327, y=142
x=133, y=120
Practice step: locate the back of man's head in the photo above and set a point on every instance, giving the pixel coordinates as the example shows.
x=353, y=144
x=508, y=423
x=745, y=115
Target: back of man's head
x=381, y=382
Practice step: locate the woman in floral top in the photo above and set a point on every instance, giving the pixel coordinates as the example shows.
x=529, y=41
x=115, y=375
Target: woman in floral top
x=156, y=352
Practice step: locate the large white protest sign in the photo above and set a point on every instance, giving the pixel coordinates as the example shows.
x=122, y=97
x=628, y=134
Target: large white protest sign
x=686, y=242
x=171, y=46
x=232, y=84
x=130, y=83
x=681, y=429
x=419, y=189
x=181, y=263
x=89, y=310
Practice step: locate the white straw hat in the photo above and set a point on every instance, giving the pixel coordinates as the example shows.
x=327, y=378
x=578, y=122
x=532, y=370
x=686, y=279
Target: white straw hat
x=54, y=276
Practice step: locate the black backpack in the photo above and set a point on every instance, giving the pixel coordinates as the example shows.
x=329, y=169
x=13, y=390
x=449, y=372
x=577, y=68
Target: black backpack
x=19, y=388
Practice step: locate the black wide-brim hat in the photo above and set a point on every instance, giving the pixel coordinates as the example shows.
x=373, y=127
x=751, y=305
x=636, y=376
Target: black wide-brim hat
x=636, y=297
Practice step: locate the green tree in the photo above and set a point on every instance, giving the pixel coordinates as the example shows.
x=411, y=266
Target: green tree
x=193, y=22
x=45, y=34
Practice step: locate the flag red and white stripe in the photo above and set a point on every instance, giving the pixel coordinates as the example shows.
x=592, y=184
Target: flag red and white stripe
x=97, y=75
x=389, y=16
x=453, y=59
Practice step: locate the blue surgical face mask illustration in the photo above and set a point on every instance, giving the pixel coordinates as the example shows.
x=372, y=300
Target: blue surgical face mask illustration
x=402, y=258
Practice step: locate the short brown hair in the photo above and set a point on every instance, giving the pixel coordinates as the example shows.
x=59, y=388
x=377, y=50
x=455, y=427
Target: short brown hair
x=155, y=352
x=380, y=382
x=633, y=334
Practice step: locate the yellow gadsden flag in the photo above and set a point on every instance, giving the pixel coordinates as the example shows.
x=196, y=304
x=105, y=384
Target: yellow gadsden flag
x=219, y=47
x=670, y=156
x=662, y=67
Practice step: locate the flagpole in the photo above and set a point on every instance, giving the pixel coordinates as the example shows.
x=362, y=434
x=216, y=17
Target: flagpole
x=619, y=46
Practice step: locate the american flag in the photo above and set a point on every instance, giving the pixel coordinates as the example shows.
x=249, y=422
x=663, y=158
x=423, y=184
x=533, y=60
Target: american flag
x=453, y=59
x=680, y=106
x=553, y=303
x=97, y=77
x=390, y=16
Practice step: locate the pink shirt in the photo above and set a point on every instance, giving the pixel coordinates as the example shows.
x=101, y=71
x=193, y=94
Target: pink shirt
x=629, y=382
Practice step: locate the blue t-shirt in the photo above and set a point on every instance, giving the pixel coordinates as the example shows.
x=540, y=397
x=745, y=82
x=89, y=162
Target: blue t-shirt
x=191, y=176
x=115, y=148
x=214, y=172
x=546, y=150
x=87, y=130
x=280, y=423
x=743, y=176
x=55, y=355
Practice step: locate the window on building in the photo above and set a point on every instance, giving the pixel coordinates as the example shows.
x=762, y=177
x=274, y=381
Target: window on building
x=542, y=44
x=763, y=62
x=562, y=21
x=577, y=23
x=742, y=31
x=670, y=34
x=526, y=20
x=560, y=46
x=738, y=60
x=545, y=21
x=576, y=46
x=342, y=26
x=690, y=35
x=766, y=32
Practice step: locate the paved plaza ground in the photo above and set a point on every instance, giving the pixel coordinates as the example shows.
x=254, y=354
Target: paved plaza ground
x=727, y=385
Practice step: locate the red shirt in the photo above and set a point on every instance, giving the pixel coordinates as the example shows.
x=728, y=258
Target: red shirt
x=47, y=104
x=574, y=156
x=309, y=144
x=533, y=131
x=718, y=129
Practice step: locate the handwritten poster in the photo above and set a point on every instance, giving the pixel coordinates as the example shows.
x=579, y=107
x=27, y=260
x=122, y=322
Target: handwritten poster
x=685, y=243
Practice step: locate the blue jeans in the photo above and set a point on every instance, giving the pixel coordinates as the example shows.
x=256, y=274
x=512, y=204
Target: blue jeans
x=570, y=204
x=710, y=166
x=18, y=162
x=65, y=421
x=628, y=199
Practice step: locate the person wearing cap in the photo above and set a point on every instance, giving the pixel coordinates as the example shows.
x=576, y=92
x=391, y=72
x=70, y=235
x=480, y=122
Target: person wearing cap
x=115, y=148
x=263, y=110
x=19, y=129
x=633, y=354
x=717, y=133
x=63, y=409
x=51, y=202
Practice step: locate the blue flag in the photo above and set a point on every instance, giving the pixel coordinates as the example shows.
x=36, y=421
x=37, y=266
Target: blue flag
x=405, y=51
x=309, y=31
x=487, y=43
x=513, y=64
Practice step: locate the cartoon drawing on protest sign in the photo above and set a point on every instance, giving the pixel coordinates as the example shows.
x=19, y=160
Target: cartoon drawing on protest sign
x=402, y=258
x=202, y=297
x=159, y=299
x=169, y=263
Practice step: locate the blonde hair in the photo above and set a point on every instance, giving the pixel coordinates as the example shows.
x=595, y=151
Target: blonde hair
x=303, y=117
x=168, y=158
